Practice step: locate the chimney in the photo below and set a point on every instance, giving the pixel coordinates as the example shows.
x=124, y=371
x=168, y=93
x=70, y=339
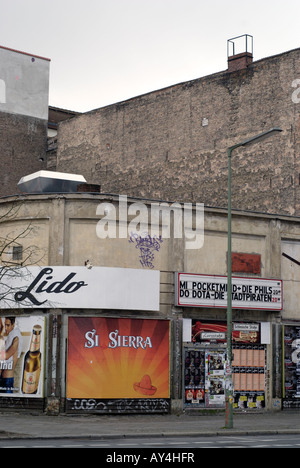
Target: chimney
x=239, y=52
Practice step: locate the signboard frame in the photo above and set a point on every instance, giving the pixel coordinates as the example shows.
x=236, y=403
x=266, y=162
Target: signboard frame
x=74, y=287
x=118, y=358
x=197, y=290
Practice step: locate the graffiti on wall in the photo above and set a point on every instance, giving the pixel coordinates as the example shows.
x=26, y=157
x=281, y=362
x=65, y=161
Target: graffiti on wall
x=120, y=406
x=147, y=245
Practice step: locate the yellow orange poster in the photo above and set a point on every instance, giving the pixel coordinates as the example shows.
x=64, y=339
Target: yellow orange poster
x=118, y=358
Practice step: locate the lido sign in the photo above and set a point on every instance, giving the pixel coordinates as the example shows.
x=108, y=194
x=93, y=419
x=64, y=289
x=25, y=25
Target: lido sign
x=80, y=288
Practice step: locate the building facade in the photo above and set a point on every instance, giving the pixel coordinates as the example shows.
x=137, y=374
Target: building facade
x=132, y=319
x=118, y=303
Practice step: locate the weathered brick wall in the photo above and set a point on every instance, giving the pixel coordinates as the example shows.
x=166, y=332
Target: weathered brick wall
x=171, y=144
x=23, y=142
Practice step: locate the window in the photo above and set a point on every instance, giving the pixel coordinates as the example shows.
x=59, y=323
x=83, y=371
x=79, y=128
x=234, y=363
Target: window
x=17, y=252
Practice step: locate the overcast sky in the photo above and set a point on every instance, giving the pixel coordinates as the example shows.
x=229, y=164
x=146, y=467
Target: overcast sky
x=105, y=51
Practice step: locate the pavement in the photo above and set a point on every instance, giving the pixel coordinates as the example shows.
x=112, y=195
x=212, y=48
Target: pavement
x=39, y=426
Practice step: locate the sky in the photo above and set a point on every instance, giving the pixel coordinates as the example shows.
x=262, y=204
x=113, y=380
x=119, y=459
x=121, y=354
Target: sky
x=107, y=51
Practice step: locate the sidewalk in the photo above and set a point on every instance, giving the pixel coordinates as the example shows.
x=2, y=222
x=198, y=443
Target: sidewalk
x=21, y=425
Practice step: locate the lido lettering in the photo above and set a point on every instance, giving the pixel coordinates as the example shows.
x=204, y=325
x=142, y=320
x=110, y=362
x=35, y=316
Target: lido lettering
x=43, y=284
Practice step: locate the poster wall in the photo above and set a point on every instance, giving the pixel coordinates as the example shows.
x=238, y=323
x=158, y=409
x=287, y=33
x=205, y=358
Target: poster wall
x=204, y=378
x=291, y=366
x=22, y=345
x=114, y=358
x=204, y=365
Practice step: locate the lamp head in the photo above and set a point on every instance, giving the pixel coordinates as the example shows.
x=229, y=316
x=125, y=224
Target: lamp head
x=261, y=136
x=255, y=139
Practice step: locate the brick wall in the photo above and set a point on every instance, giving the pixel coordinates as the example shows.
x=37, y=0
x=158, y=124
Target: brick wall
x=23, y=143
x=171, y=144
x=239, y=61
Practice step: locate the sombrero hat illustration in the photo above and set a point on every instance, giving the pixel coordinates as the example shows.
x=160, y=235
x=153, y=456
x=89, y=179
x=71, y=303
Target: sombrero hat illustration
x=145, y=386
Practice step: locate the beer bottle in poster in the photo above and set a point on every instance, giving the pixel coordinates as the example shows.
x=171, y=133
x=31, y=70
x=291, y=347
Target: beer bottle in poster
x=32, y=363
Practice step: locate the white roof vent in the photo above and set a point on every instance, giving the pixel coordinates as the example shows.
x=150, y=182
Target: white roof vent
x=50, y=182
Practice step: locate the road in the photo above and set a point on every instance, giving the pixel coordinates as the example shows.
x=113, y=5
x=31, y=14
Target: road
x=159, y=445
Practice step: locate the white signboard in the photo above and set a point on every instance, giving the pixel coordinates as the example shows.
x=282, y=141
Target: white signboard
x=80, y=288
x=192, y=290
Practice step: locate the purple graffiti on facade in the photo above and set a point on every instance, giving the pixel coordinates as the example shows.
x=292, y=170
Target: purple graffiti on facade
x=148, y=246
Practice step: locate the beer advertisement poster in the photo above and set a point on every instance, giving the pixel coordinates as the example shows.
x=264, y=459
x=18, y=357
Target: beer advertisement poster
x=118, y=358
x=22, y=352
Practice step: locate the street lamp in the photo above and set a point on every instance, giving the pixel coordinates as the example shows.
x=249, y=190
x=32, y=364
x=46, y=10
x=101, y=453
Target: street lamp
x=228, y=372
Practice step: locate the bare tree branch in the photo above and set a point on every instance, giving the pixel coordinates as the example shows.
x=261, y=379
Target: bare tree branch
x=13, y=269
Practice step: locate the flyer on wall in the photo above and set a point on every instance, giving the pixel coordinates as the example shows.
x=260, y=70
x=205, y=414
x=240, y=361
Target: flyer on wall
x=215, y=364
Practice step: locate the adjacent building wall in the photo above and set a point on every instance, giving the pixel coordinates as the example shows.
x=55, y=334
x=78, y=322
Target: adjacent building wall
x=24, y=84
x=171, y=144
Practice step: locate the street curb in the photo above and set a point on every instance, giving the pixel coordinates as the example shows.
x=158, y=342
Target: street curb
x=220, y=433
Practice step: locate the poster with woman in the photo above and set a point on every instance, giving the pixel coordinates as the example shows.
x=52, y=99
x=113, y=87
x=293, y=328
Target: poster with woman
x=22, y=343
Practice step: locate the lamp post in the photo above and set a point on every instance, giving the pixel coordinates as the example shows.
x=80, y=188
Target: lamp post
x=228, y=371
